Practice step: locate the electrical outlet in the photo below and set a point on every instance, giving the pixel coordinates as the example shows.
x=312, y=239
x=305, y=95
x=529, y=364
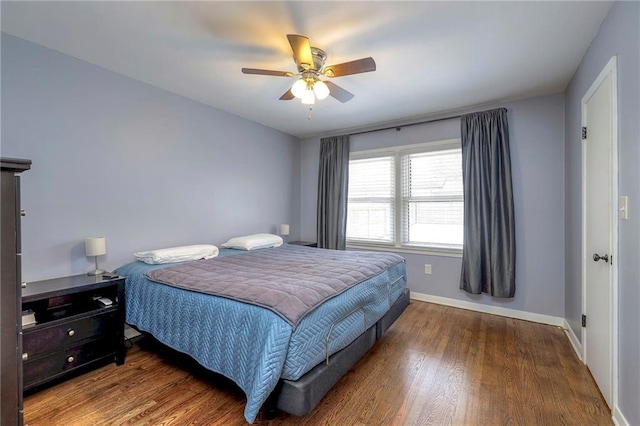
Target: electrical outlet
x=427, y=269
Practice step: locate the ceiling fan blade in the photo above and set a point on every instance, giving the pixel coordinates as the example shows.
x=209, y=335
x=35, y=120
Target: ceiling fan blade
x=348, y=68
x=338, y=92
x=267, y=72
x=301, y=51
x=287, y=96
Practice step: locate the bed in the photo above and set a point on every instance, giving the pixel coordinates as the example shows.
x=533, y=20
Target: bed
x=284, y=360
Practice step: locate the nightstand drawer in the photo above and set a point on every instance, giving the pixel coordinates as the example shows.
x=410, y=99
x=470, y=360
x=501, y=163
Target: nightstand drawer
x=55, y=364
x=51, y=338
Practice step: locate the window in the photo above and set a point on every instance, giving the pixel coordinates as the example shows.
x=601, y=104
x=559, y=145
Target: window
x=371, y=204
x=408, y=197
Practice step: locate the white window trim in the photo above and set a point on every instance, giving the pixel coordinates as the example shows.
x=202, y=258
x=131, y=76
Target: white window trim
x=397, y=152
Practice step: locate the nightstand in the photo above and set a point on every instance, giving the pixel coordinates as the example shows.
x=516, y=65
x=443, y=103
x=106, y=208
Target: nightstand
x=75, y=329
x=303, y=243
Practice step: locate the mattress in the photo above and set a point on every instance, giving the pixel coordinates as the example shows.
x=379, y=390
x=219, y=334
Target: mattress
x=250, y=344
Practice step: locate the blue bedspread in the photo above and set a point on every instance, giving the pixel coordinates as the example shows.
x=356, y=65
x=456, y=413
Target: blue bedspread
x=248, y=344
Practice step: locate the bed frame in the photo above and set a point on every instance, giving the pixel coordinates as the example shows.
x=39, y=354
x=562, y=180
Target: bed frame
x=300, y=397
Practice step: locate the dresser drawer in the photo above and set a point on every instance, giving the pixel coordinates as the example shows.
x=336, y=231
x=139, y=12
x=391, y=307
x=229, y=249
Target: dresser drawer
x=56, y=337
x=55, y=364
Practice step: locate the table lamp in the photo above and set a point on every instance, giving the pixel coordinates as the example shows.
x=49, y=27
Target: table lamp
x=95, y=247
x=284, y=231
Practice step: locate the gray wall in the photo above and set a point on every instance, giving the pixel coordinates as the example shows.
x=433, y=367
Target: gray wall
x=619, y=35
x=143, y=167
x=537, y=153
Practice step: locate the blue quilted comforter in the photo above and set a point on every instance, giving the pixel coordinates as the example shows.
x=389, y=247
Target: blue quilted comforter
x=250, y=344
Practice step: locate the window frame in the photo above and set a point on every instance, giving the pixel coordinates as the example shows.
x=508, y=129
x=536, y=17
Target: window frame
x=380, y=153
x=397, y=153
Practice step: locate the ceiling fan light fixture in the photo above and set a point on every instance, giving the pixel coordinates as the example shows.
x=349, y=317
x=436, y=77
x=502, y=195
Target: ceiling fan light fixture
x=299, y=88
x=308, y=98
x=321, y=89
x=310, y=62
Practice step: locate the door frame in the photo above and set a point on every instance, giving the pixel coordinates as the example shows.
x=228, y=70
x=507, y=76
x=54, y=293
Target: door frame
x=611, y=68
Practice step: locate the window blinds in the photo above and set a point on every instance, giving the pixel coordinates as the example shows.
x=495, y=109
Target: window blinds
x=371, y=206
x=432, y=198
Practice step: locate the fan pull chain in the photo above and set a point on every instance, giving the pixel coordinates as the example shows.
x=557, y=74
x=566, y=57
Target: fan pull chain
x=309, y=115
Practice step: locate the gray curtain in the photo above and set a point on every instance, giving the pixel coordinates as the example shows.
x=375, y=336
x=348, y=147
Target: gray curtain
x=489, y=251
x=333, y=184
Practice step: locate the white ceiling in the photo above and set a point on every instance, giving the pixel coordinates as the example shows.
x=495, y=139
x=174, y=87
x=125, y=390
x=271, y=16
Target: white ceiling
x=431, y=56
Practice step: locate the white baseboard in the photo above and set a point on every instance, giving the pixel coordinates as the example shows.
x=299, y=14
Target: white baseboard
x=577, y=346
x=618, y=418
x=488, y=309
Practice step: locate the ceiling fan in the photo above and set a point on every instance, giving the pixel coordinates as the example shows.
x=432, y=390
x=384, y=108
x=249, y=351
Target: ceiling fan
x=310, y=63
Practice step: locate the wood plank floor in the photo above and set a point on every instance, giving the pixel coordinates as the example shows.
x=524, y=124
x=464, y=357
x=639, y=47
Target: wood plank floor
x=436, y=366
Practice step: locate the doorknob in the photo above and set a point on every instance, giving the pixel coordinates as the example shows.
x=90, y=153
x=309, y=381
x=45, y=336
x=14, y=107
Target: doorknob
x=597, y=257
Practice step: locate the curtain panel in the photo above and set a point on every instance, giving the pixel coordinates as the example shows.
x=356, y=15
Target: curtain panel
x=333, y=184
x=489, y=250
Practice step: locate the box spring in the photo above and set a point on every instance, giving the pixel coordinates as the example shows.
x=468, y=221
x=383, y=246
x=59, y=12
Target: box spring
x=301, y=396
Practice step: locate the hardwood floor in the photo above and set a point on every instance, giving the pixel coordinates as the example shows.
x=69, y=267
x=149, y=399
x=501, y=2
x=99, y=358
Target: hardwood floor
x=437, y=365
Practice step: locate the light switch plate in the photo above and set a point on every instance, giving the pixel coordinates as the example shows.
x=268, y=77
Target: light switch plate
x=624, y=207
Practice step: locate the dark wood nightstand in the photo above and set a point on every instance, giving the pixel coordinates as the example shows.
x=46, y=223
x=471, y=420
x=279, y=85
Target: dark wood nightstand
x=303, y=243
x=74, y=330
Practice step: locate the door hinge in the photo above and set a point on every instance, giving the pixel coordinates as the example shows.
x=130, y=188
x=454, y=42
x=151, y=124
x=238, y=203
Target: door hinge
x=584, y=320
x=584, y=133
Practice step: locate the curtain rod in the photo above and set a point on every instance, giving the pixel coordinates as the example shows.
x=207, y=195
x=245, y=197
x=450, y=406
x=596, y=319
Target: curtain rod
x=406, y=125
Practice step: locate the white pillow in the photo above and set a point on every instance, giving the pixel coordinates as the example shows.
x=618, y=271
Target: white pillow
x=177, y=254
x=253, y=242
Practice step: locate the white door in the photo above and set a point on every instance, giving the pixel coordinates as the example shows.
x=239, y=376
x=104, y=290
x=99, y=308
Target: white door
x=600, y=221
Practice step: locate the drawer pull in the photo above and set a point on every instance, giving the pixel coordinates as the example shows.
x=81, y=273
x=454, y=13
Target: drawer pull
x=25, y=356
x=23, y=284
x=23, y=213
x=70, y=359
x=71, y=332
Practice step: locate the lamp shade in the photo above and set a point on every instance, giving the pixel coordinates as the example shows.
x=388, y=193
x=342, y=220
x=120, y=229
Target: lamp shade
x=298, y=88
x=321, y=89
x=284, y=229
x=308, y=98
x=95, y=246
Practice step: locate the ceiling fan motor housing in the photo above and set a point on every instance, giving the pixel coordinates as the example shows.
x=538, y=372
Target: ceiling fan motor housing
x=319, y=58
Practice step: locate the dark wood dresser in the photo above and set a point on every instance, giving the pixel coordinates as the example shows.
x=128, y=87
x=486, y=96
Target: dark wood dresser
x=10, y=279
x=79, y=325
